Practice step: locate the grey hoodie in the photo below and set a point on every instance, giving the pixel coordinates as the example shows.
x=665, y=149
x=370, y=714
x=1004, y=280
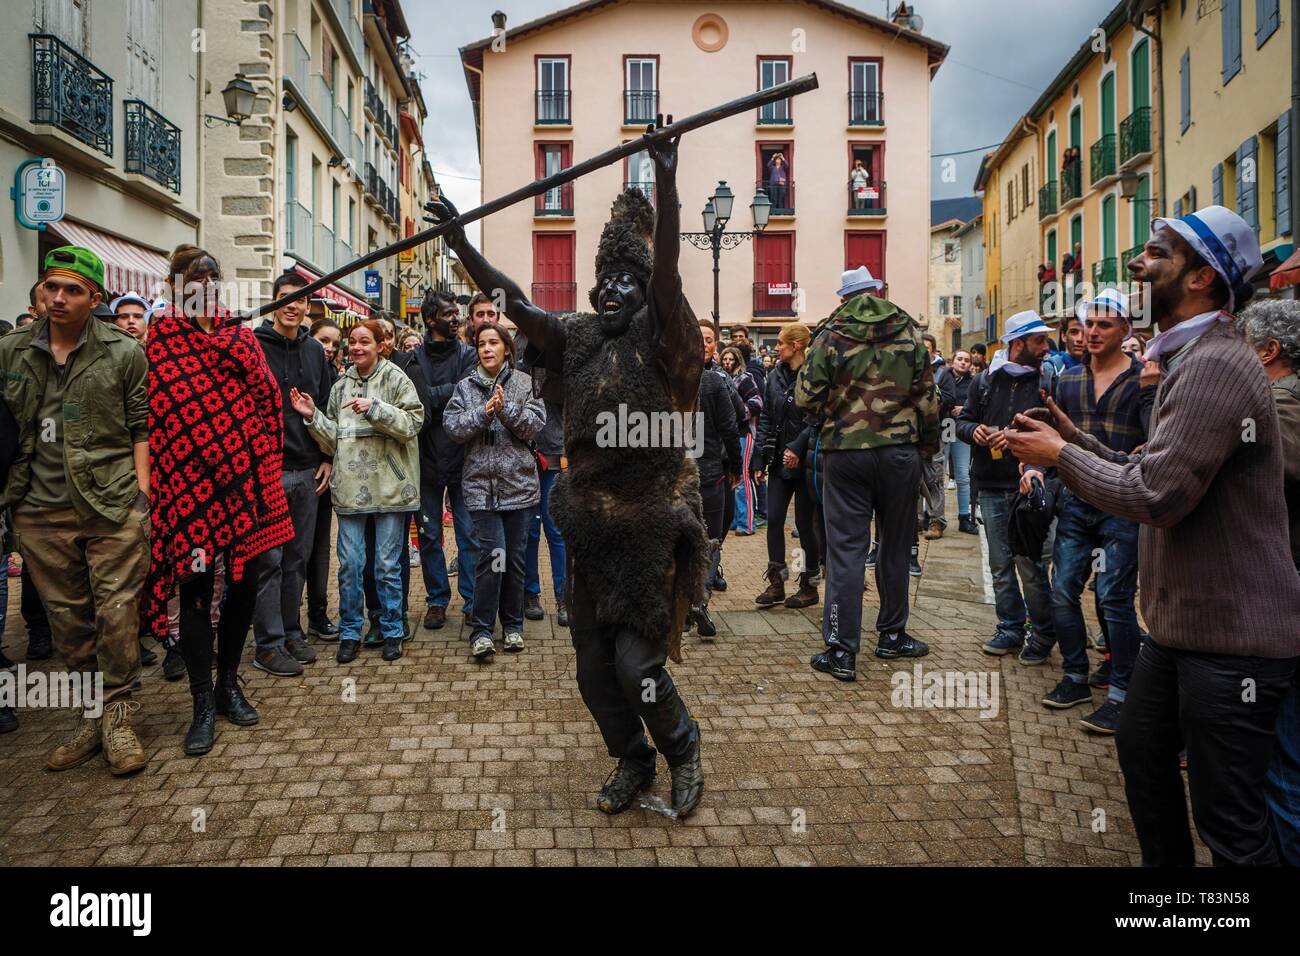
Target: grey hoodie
x=500, y=473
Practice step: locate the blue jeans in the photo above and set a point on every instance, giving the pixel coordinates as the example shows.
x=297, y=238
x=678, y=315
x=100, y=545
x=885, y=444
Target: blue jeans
x=499, y=582
x=1283, y=789
x=959, y=455
x=745, y=511
x=390, y=552
x=1082, y=530
x=554, y=540
x=1003, y=566
x=433, y=561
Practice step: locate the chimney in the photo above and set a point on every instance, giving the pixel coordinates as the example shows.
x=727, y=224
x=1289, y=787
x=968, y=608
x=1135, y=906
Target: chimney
x=499, y=21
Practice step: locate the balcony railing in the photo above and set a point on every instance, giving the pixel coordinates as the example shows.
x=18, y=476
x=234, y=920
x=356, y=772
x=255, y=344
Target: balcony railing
x=1047, y=201
x=640, y=106
x=555, y=202
x=343, y=254
x=553, y=108
x=1102, y=158
x=153, y=145
x=1126, y=256
x=370, y=99
x=1135, y=135
x=299, y=236
x=775, y=298
x=324, y=251
x=393, y=207
x=556, y=298
x=1071, y=183
x=781, y=194
x=71, y=93
x=866, y=109
x=298, y=68
x=351, y=28
x=371, y=178
x=774, y=114
x=1105, y=272
x=647, y=189
x=868, y=200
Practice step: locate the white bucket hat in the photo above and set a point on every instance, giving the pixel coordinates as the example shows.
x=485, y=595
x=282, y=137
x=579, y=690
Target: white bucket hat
x=1107, y=300
x=1022, y=324
x=857, y=280
x=1224, y=240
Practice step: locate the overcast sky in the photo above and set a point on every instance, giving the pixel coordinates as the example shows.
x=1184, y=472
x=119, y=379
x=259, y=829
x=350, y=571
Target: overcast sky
x=1003, y=54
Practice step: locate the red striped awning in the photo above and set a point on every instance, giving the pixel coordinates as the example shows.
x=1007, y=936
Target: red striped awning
x=128, y=267
x=1287, y=274
x=334, y=296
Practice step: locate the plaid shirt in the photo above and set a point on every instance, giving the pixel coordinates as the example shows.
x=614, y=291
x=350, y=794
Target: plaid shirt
x=1114, y=419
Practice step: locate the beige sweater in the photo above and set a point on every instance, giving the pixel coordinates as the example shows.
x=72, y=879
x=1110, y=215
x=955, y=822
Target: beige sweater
x=1214, y=556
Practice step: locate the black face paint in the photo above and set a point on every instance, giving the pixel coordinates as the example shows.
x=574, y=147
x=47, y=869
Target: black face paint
x=618, y=298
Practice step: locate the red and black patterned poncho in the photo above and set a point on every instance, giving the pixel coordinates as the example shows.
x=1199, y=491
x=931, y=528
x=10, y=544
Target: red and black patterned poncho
x=215, y=451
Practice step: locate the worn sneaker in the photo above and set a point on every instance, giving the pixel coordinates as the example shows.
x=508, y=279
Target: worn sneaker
x=1035, y=653
x=1068, y=693
x=871, y=555
x=326, y=631
x=347, y=652
x=623, y=785
x=533, y=607
x=839, y=664
x=1100, y=678
x=688, y=779
x=901, y=644
x=392, y=648
x=1003, y=644
x=276, y=661
x=435, y=618
x=914, y=563
x=966, y=526
x=1103, y=720
x=514, y=641
x=300, y=651
x=719, y=580
x=482, y=647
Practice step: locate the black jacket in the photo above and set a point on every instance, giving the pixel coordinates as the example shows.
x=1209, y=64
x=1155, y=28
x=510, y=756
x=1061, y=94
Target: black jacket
x=442, y=365
x=298, y=363
x=782, y=424
x=721, y=435
x=943, y=381
x=994, y=400
x=961, y=387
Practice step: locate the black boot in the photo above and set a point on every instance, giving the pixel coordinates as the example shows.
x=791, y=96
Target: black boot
x=202, y=733
x=704, y=624
x=231, y=702
x=173, y=663
x=147, y=657
x=688, y=780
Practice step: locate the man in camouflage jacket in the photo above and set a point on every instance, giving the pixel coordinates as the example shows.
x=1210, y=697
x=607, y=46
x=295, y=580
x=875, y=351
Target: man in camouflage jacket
x=868, y=379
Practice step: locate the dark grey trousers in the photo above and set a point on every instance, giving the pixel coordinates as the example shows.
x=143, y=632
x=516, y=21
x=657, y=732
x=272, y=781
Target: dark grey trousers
x=861, y=484
x=277, y=613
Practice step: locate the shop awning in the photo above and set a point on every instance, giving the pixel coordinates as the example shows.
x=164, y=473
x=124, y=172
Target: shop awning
x=334, y=296
x=127, y=267
x=1287, y=274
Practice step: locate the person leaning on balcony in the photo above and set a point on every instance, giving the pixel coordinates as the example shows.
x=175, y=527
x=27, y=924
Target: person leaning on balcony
x=79, y=490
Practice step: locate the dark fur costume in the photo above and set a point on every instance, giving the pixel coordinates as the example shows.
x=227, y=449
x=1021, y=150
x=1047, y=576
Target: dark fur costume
x=632, y=518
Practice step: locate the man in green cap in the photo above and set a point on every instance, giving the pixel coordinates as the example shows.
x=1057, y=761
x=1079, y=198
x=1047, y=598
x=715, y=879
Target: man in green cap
x=78, y=491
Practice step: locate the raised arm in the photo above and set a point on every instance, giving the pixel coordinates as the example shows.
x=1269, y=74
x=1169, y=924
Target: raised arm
x=487, y=277
x=666, y=283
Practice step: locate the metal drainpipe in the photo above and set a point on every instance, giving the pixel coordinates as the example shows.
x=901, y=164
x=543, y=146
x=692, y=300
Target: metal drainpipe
x=1160, y=98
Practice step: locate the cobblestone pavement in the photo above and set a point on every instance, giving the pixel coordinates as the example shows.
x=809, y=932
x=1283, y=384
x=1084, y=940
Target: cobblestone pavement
x=440, y=760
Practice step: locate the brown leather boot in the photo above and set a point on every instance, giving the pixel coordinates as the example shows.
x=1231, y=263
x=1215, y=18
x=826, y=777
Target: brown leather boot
x=122, y=747
x=775, y=593
x=934, y=531
x=77, y=750
x=806, y=596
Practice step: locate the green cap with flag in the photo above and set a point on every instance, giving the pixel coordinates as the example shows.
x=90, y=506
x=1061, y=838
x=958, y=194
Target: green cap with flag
x=76, y=262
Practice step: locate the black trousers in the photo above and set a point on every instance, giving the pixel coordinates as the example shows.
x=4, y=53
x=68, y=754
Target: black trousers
x=1223, y=709
x=318, y=564
x=33, y=609
x=624, y=683
x=196, y=633
x=780, y=492
x=860, y=484
x=715, y=498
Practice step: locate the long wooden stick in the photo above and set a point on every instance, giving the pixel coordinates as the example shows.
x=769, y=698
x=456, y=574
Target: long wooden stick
x=693, y=122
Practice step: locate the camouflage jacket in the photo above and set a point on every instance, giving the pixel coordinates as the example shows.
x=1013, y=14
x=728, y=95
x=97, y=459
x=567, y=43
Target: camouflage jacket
x=868, y=378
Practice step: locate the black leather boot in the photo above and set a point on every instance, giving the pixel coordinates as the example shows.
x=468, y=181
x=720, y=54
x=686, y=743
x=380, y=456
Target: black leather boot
x=202, y=733
x=688, y=780
x=231, y=702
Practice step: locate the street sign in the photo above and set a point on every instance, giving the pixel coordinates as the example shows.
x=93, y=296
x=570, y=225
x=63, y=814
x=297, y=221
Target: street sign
x=38, y=193
x=372, y=283
x=411, y=277
x=406, y=255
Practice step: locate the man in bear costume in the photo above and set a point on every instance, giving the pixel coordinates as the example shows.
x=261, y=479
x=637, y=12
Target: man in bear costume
x=631, y=515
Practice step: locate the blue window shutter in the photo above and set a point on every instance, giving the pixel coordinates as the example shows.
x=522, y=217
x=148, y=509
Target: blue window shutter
x=1230, y=17
x=1267, y=17
x=1216, y=184
x=1178, y=209
x=1185, y=90
x=1191, y=199
x=1282, y=175
x=1248, y=183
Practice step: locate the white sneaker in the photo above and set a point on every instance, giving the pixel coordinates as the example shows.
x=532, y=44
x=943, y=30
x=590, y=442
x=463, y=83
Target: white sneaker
x=482, y=646
x=514, y=641
x=415, y=556
x=952, y=485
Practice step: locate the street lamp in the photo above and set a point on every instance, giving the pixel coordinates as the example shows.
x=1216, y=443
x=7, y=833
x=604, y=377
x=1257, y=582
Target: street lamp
x=239, y=96
x=717, y=213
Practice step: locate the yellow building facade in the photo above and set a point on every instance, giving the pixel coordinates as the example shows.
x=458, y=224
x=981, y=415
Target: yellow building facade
x=1008, y=180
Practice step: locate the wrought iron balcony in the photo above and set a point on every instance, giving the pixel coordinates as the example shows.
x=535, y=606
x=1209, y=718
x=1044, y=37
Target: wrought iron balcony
x=1071, y=182
x=775, y=298
x=1135, y=135
x=640, y=106
x=1126, y=256
x=866, y=200
x=372, y=181
x=153, y=145
x=781, y=194
x=555, y=202
x=553, y=108
x=866, y=109
x=71, y=93
x=370, y=99
x=557, y=298
x=1102, y=157
x=1105, y=272
x=1047, y=201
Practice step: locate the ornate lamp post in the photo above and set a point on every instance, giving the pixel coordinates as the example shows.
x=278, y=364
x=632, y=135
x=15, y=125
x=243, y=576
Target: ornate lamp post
x=717, y=212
